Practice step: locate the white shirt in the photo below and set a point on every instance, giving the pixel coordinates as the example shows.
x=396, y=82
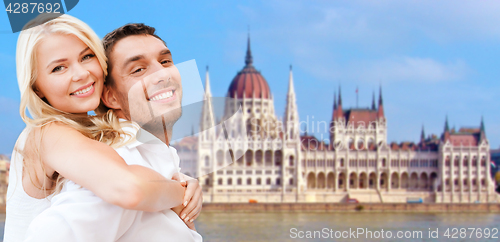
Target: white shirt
x=76, y=214
x=21, y=208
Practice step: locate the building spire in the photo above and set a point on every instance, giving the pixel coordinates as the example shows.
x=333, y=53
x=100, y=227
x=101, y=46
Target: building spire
x=207, y=85
x=373, y=102
x=291, y=112
x=340, y=97
x=291, y=89
x=446, y=126
x=248, y=57
x=482, y=134
x=380, y=102
x=334, y=100
x=422, y=135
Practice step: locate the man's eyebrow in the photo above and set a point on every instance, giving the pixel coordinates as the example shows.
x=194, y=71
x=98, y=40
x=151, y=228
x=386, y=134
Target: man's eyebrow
x=65, y=59
x=165, y=52
x=132, y=59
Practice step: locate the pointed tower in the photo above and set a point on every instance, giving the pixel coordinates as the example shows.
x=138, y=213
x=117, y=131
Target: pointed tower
x=291, y=112
x=422, y=135
x=482, y=134
x=380, y=113
x=207, y=115
x=248, y=57
x=373, y=102
x=340, y=112
x=446, y=134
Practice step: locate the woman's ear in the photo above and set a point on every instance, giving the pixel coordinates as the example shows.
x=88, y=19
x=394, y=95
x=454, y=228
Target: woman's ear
x=109, y=99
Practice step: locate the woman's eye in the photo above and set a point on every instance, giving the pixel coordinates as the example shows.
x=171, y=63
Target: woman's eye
x=86, y=57
x=57, y=69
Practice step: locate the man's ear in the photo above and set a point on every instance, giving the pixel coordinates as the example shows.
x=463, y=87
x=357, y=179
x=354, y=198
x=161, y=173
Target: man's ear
x=109, y=99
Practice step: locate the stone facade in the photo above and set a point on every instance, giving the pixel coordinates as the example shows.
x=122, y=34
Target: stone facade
x=271, y=162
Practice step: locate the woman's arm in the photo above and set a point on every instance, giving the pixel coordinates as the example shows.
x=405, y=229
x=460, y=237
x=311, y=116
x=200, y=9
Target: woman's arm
x=98, y=167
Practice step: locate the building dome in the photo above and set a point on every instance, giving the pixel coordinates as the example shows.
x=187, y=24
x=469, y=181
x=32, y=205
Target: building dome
x=249, y=82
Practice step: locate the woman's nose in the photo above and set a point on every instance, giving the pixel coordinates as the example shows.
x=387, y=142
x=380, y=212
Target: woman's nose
x=80, y=73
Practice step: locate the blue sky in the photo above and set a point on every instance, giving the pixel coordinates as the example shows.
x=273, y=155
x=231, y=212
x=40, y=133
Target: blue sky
x=432, y=58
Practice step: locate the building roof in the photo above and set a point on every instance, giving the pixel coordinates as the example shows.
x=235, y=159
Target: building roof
x=360, y=117
x=249, y=82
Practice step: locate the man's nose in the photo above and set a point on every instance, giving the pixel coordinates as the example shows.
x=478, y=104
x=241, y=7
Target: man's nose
x=79, y=72
x=159, y=74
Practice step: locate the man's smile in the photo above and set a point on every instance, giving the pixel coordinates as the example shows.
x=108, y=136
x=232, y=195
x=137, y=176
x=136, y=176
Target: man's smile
x=165, y=95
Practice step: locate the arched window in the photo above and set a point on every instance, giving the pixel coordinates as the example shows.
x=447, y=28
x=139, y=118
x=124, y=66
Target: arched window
x=291, y=181
x=207, y=161
x=291, y=161
x=259, y=181
x=230, y=181
x=238, y=181
x=249, y=181
x=278, y=181
x=219, y=181
x=268, y=181
x=278, y=157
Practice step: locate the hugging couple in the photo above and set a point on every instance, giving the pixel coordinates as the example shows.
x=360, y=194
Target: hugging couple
x=105, y=177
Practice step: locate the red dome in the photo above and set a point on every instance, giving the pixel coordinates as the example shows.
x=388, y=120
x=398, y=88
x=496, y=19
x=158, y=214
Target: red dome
x=249, y=82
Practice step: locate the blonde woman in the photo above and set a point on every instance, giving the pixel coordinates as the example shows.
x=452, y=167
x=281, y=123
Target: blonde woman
x=61, y=68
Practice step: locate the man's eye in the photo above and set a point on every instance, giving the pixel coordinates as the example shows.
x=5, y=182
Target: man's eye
x=137, y=70
x=57, y=69
x=86, y=57
x=166, y=62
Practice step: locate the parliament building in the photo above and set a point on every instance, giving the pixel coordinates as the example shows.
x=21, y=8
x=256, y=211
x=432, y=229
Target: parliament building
x=272, y=162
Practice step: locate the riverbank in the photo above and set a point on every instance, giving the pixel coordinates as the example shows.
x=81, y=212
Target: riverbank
x=354, y=207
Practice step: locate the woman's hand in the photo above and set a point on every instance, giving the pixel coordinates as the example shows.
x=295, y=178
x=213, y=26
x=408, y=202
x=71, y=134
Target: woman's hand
x=193, y=198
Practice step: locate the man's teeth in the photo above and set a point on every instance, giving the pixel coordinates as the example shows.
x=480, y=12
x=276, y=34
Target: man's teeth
x=162, y=96
x=83, y=90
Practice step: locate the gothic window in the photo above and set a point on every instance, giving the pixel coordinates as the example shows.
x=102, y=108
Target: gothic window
x=278, y=156
x=220, y=158
x=207, y=161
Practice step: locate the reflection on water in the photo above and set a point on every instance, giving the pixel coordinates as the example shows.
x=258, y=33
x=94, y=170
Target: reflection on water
x=275, y=226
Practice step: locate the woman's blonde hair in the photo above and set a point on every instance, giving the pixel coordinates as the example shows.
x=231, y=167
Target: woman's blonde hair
x=104, y=127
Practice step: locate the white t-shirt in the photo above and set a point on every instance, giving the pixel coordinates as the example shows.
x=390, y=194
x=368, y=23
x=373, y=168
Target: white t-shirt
x=21, y=208
x=76, y=214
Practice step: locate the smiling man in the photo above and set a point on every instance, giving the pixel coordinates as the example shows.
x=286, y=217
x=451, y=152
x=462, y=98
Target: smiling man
x=143, y=86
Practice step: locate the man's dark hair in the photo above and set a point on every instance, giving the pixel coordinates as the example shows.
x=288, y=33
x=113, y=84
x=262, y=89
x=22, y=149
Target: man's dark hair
x=116, y=35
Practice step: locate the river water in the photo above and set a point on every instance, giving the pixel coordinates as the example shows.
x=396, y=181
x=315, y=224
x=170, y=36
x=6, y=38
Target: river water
x=347, y=226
